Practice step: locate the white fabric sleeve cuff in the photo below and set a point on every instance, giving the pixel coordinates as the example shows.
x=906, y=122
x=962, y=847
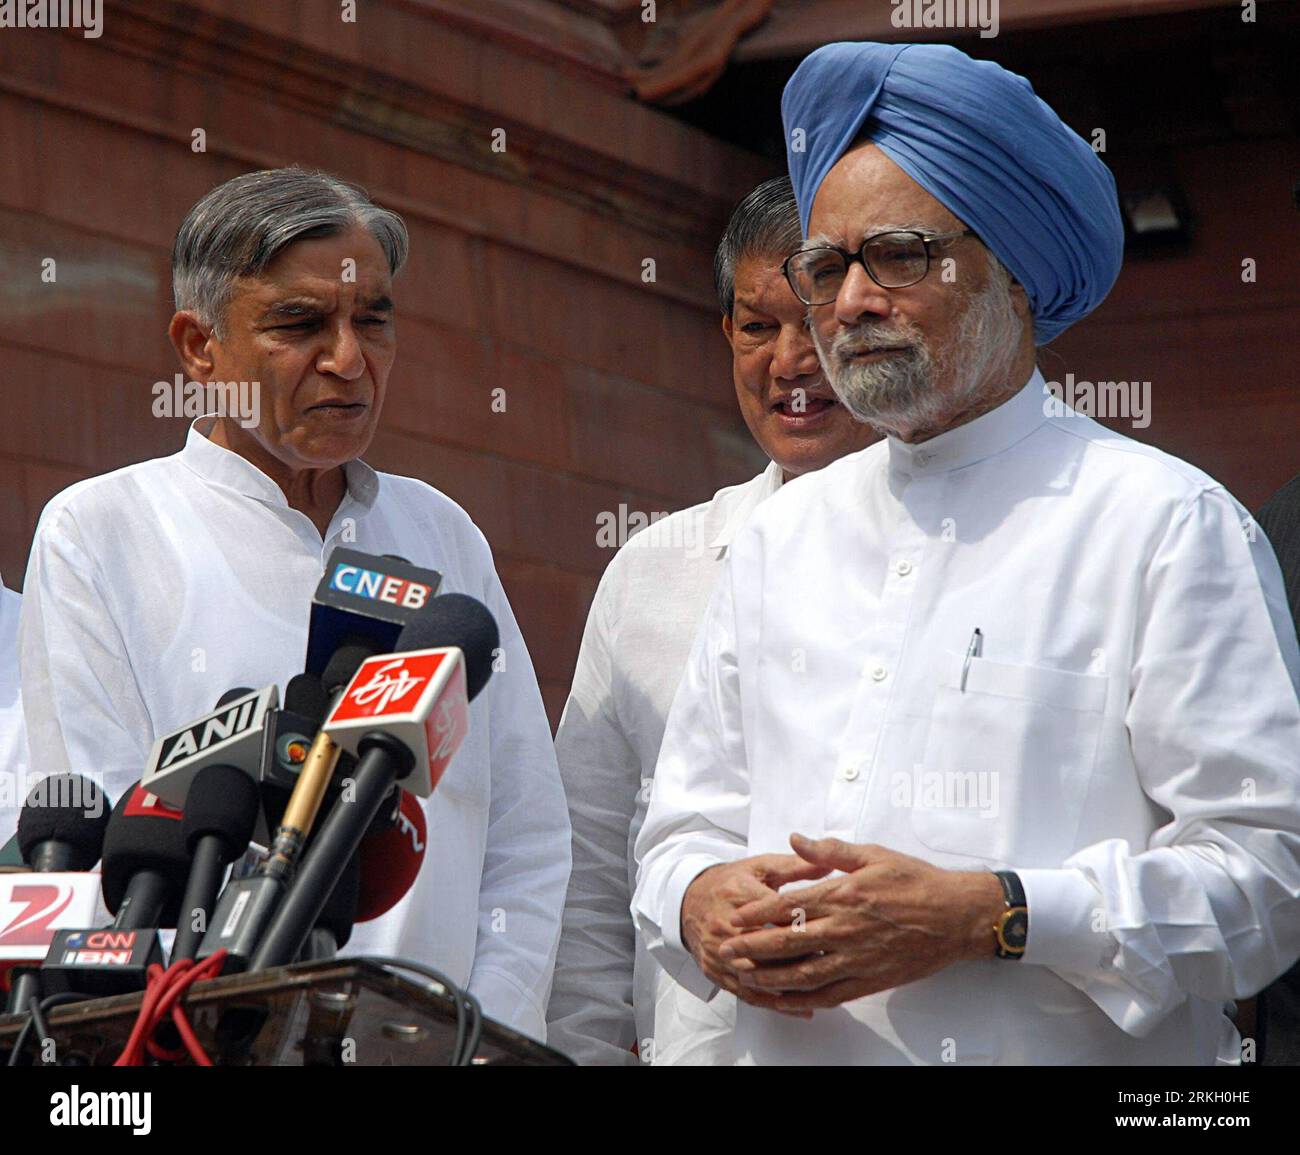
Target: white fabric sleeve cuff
x=1065, y=910
x=670, y=952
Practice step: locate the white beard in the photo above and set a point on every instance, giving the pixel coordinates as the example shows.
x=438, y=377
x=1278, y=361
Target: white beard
x=903, y=390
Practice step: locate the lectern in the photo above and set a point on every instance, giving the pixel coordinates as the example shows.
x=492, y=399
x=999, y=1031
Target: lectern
x=336, y=1012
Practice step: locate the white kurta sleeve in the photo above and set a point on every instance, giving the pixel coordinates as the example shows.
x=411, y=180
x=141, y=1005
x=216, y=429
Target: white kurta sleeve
x=699, y=806
x=83, y=707
x=526, y=860
x=591, y=1016
x=1209, y=908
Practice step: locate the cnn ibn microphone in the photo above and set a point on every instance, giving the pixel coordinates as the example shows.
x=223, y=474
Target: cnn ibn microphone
x=404, y=715
x=144, y=871
x=60, y=835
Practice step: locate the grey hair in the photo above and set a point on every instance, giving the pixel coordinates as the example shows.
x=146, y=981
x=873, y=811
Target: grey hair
x=765, y=223
x=238, y=228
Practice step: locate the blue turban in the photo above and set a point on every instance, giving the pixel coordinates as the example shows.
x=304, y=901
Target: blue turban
x=978, y=139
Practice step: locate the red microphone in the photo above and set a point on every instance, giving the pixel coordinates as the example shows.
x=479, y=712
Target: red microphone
x=391, y=860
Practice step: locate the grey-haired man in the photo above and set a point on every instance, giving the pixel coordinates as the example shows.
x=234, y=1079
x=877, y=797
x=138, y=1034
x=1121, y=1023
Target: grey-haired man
x=152, y=590
x=608, y=991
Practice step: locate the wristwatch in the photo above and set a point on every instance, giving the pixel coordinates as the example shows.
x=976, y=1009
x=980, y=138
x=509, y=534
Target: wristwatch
x=1011, y=931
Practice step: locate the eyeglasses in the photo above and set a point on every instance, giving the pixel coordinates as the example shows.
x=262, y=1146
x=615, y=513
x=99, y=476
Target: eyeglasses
x=893, y=260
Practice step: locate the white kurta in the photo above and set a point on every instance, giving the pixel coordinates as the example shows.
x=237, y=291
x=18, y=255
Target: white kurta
x=608, y=992
x=1126, y=741
x=154, y=589
x=13, y=739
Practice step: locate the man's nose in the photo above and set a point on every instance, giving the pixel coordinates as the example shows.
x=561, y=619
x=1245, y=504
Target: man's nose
x=343, y=358
x=795, y=355
x=860, y=298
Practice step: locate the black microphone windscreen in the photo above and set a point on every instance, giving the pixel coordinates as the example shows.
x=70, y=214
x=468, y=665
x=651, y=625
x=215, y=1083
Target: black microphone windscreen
x=231, y=695
x=223, y=801
x=340, y=911
x=343, y=664
x=457, y=620
x=305, y=694
x=66, y=808
x=144, y=835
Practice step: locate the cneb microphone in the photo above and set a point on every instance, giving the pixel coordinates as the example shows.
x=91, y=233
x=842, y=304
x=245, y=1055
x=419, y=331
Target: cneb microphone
x=405, y=714
x=364, y=597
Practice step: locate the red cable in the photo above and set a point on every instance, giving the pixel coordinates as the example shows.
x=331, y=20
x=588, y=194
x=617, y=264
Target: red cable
x=162, y=992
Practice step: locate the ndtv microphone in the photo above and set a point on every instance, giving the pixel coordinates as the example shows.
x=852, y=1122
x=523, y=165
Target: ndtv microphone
x=391, y=860
x=422, y=694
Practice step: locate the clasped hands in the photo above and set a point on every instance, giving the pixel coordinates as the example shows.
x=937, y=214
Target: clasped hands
x=888, y=919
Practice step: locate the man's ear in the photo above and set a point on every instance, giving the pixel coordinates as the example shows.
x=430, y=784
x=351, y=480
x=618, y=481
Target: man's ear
x=1019, y=299
x=190, y=338
x=727, y=330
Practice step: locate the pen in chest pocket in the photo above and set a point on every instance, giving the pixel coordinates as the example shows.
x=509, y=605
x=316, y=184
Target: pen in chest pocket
x=974, y=650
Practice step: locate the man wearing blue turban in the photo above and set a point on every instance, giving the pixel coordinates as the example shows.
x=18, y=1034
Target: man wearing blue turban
x=1017, y=690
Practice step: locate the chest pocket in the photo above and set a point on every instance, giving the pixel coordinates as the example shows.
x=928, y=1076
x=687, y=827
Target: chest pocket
x=1007, y=761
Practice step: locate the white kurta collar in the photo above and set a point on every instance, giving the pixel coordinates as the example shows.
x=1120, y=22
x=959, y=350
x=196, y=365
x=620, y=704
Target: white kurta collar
x=771, y=482
x=222, y=467
x=989, y=434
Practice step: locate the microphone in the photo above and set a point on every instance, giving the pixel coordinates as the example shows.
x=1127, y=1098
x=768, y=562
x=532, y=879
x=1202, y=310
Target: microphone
x=60, y=836
x=231, y=735
x=289, y=736
x=333, y=926
x=364, y=597
x=391, y=860
x=144, y=871
x=57, y=833
x=221, y=810
x=145, y=861
x=404, y=713
x=247, y=904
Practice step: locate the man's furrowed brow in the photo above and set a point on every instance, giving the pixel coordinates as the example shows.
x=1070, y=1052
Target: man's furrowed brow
x=381, y=304
x=293, y=307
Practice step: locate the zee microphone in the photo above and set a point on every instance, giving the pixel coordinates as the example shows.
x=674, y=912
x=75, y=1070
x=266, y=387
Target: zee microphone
x=61, y=834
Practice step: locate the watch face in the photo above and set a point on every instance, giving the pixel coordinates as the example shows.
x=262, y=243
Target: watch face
x=1015, y=928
